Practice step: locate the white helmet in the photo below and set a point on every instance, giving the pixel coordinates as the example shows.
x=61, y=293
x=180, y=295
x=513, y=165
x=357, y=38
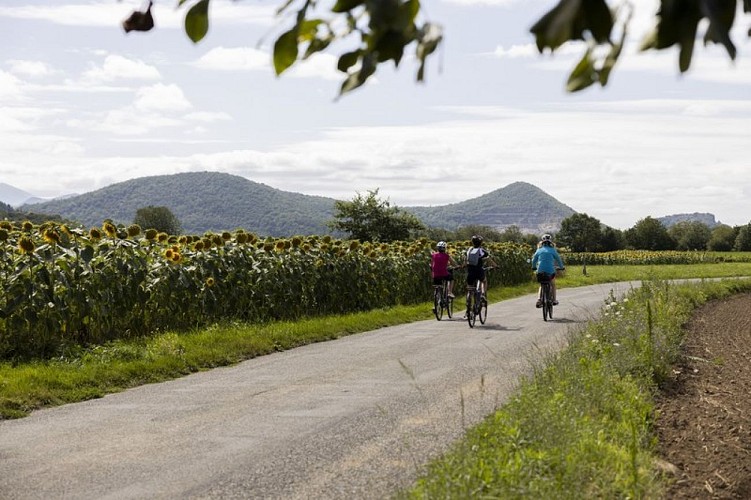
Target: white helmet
x=441, y=245
x=546, y=237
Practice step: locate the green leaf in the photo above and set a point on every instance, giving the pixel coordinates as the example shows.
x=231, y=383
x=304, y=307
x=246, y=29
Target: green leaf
x=569, y=20
x=390, y=46
x=556, y=27
x=345, y=5
x=317, y=45
x=308, y=29
x=609, y=63
x=584, y=74
x=347, y=60
x=285, y=51
x=721, y=14
x=356, y=79
x=197, y=21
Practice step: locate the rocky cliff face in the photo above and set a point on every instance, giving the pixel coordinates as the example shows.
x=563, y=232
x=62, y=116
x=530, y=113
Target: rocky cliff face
x=704, y=218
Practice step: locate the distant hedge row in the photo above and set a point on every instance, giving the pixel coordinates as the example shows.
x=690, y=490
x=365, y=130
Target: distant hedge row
x=647, y=257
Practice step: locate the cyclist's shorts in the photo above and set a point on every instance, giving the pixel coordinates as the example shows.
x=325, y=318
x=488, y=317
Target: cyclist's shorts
x=475, y=273
x=439, y=280
x=545, y=277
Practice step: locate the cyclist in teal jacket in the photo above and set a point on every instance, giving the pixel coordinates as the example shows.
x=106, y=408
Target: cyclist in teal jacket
x=545, y=260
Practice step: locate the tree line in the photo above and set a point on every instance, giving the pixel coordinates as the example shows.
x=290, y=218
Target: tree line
x=583, y=233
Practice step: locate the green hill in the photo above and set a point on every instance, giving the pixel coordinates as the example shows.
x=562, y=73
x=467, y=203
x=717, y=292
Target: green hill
x=202, y=201
x=213, y=201
x=520, y=204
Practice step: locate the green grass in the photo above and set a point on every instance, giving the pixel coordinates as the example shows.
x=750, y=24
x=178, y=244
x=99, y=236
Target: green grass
x=89, y=373
x=581, y=426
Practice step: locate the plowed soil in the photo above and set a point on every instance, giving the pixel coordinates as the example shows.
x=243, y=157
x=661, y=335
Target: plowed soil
x=704, y=415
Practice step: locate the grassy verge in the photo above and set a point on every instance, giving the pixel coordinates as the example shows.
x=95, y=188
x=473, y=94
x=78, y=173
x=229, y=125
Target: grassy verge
x=94, y=372
x=580, y=427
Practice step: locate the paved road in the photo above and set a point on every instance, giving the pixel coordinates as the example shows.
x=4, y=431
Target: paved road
x=350, y=418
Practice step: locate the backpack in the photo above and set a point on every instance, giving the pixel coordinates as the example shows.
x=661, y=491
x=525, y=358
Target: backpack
x=474, y=256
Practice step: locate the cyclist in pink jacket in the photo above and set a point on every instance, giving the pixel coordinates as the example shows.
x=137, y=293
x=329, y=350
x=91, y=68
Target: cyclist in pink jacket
x=439, y=267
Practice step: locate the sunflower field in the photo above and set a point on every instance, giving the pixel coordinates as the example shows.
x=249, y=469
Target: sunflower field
x=67, y=286
x=652, y=257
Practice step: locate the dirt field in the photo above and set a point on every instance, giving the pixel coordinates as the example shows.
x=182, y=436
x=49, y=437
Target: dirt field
x=704, y=422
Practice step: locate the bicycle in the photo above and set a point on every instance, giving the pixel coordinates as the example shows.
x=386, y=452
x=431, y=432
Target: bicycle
x=477, y=304
x=441, y=301
x=546, y=295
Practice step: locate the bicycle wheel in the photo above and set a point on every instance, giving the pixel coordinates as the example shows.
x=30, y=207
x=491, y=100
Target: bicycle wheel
x=483, y=310
x=471, y=318
x=437, y=307
x=545, y=300
x=449, y=307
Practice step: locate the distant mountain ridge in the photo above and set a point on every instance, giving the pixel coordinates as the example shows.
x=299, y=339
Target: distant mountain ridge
x=704, y=218
x=519, y=204
x=202, y=201
x=13, y=196
x=214, y=201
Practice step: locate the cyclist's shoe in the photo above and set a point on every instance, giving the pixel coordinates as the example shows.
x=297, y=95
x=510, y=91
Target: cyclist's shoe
x=539, y=304
x=451, y=296
x=555, y=302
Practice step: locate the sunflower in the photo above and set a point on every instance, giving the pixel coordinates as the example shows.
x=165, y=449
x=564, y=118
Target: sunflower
x=151, y=234
x=27, y=226
x=134, y=230
x=210, y=282
x=109, y=229
x=95, y=234
x=3, y=234
x=51, y=236
x=26, y=245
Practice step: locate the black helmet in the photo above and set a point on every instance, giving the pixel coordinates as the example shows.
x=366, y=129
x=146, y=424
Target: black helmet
x=476, y=240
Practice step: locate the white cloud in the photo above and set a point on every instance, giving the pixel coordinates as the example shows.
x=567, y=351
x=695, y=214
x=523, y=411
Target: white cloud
x=235, y=59
x=116, y=67
x=317, y=66
x=33, y=69
x=516, y=50
x=160, y=97
x=208, y=117
x=10, y=87
x=103, y=13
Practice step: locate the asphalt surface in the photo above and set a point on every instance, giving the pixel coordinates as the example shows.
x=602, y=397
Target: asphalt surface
x=352, y=418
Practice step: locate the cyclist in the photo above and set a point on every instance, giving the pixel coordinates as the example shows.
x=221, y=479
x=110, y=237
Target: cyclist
x=544, y=262
x=475, y=258
x=439, y=267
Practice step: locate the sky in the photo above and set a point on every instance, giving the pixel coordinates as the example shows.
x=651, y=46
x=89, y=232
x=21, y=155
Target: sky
x=84, y=105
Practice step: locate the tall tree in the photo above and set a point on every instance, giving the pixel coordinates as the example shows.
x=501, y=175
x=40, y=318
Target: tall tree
x=690, y=235
x=612, y=239
x=580, y=233
x=368, y=218
x=160, y=218
x=649, y=234
x=722, y=238
x=743, y=240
